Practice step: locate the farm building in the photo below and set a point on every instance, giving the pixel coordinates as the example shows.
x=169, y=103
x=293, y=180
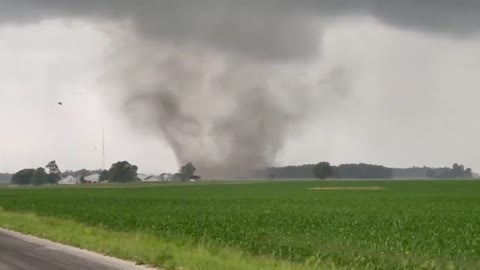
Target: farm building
x=69, y=180
x=166, y=177
x=195, y=178
x=152, y=178
x=94, y=178
x=142, y=177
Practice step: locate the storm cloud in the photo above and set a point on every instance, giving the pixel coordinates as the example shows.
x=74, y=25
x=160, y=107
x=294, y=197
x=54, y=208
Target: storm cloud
x=258, y=28
x=224, y=81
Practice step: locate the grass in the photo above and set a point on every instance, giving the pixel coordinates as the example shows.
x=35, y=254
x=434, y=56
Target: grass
x=136, y=184
x=142, y=248
x=407, y=225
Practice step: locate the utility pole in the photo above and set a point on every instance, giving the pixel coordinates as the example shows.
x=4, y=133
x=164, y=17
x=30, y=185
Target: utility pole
x=103, y=148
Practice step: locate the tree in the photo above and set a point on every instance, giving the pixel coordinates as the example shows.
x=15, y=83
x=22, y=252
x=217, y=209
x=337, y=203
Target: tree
x=122, y=172
x=53, y=168
x=104, y=176
x=23, y=177
x=469, y=173
x=177, y=177
x=322, y=170
x=187, y=171
x=39, y=177
x=53, y=178
x=458, y=171
x=54, y=174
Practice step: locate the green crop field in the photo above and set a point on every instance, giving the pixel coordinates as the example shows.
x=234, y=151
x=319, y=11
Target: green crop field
x=380, y=225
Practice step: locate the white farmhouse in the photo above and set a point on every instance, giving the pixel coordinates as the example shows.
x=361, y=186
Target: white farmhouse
x=69, y=180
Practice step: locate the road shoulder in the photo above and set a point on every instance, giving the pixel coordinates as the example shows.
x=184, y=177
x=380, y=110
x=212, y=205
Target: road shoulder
x=89, y=256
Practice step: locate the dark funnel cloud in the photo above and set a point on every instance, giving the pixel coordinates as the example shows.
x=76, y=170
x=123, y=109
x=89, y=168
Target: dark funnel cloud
x=223, y=81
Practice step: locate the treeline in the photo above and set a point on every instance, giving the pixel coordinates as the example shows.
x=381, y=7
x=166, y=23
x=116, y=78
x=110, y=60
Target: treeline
x=36, y=177
x=422, y=172
x=344, y=171
x=366, y=171
x=458, y=171
x=362, y=171
x=120, y=172
x=288, y=172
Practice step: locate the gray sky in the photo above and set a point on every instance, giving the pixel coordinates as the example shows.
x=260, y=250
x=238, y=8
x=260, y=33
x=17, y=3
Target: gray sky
x=409, y=77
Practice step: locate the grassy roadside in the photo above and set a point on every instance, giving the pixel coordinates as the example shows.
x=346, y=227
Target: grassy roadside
x=142, y=248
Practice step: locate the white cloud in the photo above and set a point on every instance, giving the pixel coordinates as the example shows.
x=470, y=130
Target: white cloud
x=414, y=100
x=53, y=62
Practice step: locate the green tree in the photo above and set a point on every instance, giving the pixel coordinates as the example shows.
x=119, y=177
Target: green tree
x=322, y=170
x=23, y=177
x=40, y=177
x=122, y=172
x=54, y=174
x=104, y=176
x=54, y=178
x=188, y=171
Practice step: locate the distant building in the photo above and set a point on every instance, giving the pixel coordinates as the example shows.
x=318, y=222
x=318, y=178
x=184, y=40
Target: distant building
x=69, y=180
x=142, y=177
x=152, y=178
x=195, y=178
x=94, y=178
x=166, y=177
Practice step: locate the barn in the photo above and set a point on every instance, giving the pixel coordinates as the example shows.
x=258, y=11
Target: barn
x=69, y=180
x=94, y=178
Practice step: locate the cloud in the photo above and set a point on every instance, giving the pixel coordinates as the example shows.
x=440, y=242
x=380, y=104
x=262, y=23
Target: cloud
x=172, y=64
x=271, y=29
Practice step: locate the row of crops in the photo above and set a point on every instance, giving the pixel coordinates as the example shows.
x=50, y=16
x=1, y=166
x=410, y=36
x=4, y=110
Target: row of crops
x=407, y=225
